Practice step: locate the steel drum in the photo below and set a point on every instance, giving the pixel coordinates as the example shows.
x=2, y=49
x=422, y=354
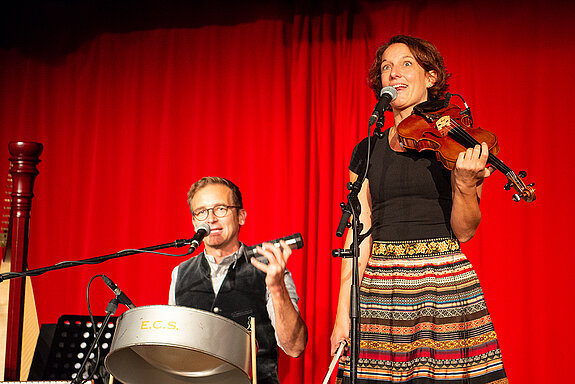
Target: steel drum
x=171, y=345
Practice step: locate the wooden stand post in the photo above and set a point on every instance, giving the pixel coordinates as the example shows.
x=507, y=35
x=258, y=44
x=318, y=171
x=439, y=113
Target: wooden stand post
x=25, y=157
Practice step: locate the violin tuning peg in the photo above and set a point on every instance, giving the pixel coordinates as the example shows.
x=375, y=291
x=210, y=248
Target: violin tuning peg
x=522, y=174
x=349, y=186
x=507, y=186
x=342, y=205
x=531, y=185
x=516, y=197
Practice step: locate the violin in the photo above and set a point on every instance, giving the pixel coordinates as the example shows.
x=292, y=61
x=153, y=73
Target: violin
x=443, y=127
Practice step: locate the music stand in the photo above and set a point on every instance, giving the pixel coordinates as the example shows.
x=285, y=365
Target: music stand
x=71, y=341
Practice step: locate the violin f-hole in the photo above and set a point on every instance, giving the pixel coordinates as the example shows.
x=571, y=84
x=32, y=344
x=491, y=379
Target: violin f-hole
x=426, y=134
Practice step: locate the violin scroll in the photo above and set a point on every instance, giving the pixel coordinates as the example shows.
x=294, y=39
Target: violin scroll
x=524, y=192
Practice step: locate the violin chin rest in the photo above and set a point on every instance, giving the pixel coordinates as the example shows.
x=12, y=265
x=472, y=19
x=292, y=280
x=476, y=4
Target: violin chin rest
x=430, y=106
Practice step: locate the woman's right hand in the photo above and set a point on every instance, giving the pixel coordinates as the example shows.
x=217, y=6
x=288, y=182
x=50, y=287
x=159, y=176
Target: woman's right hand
x=340, y=333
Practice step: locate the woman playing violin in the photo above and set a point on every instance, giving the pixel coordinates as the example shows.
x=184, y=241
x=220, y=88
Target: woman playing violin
x=423, y=315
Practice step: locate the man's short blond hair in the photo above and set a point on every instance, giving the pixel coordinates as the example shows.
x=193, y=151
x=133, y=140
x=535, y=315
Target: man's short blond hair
x=208, y=180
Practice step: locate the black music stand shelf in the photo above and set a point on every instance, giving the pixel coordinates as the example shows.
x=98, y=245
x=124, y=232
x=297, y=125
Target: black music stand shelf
x=67, y=343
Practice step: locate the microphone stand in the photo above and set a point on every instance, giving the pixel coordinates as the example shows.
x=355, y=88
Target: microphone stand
x=113, y=304
x=96, y=260
x=110, y=310
x=353, y=207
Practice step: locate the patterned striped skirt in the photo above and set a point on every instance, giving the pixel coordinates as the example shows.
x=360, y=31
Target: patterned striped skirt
x=424, y=318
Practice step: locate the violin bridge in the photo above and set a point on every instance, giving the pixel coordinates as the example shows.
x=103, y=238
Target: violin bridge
x=443, y=125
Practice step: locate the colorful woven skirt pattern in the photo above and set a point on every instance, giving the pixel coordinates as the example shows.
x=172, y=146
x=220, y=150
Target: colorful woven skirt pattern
x=424, y=318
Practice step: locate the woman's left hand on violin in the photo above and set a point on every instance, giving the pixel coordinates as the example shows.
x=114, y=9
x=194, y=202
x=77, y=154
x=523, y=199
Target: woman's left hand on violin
x=471, y=166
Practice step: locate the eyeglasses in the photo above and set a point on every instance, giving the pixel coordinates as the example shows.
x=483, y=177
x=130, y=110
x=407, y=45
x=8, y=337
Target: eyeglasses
x=218, y=211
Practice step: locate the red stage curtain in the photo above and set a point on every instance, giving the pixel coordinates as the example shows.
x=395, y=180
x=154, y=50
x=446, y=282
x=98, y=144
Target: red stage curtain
x=276, y=101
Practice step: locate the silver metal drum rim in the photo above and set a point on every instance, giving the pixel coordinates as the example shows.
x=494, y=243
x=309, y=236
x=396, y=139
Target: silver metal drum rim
x=224, y=366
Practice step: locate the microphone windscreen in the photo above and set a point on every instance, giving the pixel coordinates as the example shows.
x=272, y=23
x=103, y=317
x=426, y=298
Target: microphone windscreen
x=392, y=92
x=205, y=227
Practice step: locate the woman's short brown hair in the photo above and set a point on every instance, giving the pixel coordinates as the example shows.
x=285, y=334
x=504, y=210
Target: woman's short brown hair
x=426, y=55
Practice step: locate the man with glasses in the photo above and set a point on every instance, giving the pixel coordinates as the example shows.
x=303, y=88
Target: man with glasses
x=223, y=280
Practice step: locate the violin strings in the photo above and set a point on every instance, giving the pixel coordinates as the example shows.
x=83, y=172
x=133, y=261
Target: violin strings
x=464, y=138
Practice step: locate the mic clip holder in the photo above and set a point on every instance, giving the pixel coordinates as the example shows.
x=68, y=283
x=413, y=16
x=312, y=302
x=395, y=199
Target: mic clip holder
x=377, y=131
x=191, y=242
x=343, y=253
x=348, y=253
x=183, y=242
x=348, y=209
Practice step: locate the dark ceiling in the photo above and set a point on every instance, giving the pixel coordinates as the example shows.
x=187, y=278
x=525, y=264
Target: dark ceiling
x=52, y=28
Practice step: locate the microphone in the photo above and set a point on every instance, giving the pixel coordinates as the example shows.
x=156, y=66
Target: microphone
x=202, y=231
x=294, y=241
x=386, y=96
x=121, y=296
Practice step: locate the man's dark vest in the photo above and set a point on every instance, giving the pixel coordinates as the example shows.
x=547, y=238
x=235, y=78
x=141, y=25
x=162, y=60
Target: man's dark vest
x=242, y=295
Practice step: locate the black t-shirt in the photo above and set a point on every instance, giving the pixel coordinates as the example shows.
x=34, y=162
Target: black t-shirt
x=410, y=191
